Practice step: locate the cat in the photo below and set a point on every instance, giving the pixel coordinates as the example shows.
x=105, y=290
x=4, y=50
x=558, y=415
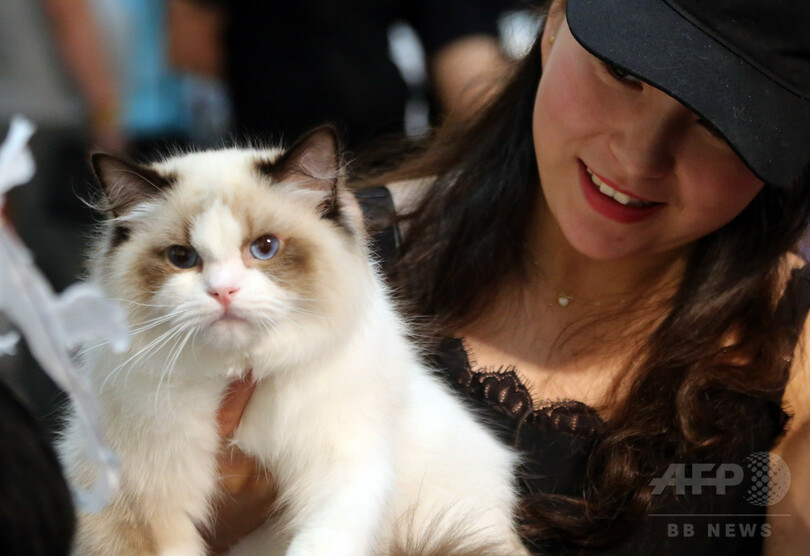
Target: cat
x=239, y=261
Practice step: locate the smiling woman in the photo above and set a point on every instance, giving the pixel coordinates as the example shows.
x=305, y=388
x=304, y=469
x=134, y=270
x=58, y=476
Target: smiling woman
x=606, y=255
x=647, y=163
x=591, y=122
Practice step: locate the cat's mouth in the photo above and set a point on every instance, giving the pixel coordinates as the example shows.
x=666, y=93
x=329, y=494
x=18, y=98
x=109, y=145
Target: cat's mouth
x=230, y=331
x=228, y=317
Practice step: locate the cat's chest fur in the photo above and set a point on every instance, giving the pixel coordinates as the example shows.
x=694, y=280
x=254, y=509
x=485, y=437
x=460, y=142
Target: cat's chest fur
x=355, y=393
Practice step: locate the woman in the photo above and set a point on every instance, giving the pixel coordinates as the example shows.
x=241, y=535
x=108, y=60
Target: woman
x=621, y=235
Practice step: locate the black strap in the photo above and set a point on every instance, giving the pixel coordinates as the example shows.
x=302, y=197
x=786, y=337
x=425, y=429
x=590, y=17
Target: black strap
x=379, y=216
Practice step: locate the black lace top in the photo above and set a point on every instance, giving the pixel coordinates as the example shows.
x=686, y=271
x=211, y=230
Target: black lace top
x=721, y=514
x=556, y=438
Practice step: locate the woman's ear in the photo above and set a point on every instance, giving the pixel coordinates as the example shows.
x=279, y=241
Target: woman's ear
x=554, y=20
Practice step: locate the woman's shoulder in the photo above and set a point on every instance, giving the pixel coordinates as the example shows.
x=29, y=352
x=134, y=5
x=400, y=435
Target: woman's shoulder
x=407, y=194
x=790, y=526
x=795, y=310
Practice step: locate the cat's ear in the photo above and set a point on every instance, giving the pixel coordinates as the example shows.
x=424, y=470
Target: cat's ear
x=313, y=164
x=316, y=155
x=125, y=183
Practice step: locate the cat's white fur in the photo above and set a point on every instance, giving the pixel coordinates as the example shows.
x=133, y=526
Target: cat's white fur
x=365, y=443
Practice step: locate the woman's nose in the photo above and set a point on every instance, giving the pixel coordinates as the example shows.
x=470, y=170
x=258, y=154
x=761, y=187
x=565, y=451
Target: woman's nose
x=646, y=143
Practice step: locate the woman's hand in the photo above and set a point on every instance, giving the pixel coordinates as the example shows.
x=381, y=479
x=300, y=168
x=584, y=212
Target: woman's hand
x=249, y=491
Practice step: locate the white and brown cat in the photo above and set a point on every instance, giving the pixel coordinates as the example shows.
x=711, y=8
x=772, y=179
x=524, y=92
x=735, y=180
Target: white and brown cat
x=247, y=260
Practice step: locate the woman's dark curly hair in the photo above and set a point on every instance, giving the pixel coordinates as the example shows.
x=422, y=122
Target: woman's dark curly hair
x=712, y=366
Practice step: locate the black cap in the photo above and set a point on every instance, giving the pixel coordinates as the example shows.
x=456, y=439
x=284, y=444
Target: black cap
x=743, y=65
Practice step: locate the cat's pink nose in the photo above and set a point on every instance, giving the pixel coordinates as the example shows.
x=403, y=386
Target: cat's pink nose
x=224, y=294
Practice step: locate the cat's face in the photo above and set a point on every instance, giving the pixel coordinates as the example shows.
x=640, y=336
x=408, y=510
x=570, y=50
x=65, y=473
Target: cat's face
x=236, y=249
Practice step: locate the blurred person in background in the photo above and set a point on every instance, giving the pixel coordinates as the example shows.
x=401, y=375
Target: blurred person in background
x=290, y=66
x=116, y=52
x=92, y=74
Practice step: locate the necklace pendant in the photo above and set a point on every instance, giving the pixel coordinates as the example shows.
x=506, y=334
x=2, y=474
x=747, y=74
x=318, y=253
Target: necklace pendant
x=564, y=299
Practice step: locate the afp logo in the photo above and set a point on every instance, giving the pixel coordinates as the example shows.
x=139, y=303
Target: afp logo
x=765, y=477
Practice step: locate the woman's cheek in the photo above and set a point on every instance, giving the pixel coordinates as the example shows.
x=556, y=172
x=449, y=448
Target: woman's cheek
x=716, y=182
x=568, y=103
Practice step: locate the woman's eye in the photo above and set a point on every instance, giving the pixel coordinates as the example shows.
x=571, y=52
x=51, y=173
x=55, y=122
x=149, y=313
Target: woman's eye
x=265, y=247
x=620, y=74
x=183, y=256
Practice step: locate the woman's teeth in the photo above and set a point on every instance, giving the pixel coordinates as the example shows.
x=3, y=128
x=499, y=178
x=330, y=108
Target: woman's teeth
x=617, y=196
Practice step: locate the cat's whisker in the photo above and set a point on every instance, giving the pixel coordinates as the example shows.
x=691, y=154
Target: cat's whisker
x=139, y=304
x=201, y=319
x=177, y=349
x=313, y=314
x=176, y=337
x=292, y=304
x=296, y=324
x=299, y=310
x=171, y=325
x=266, y=327
x=176, y=310
x=263, y=307
x=153, y=346
x=87, y=349
x=288, y=322
x=291, y=299
x=143, y=326
x=174, y=355
x=172, y=332
x=135, y=328
x=194, y=339
x=190, y=334
x=299, y=299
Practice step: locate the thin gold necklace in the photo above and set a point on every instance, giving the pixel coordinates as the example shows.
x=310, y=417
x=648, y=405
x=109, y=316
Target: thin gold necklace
x=563, y=298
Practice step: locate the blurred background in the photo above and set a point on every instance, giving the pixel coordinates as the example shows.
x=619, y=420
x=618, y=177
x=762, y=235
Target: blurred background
x=144, y=77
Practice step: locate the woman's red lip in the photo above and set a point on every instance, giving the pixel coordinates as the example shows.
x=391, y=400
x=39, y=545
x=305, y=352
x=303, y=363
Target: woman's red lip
x=610, y=208
x=617, y=188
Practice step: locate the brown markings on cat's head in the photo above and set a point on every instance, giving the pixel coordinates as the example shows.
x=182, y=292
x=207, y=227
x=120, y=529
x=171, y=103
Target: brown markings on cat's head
x=314, y=162
x=125, y=184
x=218, y=203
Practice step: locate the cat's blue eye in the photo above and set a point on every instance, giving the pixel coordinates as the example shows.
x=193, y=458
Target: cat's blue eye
x=183, y=256
x=265, y=247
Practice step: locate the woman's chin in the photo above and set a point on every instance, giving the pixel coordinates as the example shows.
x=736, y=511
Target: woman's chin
x=598, y=247
x=601, y=241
